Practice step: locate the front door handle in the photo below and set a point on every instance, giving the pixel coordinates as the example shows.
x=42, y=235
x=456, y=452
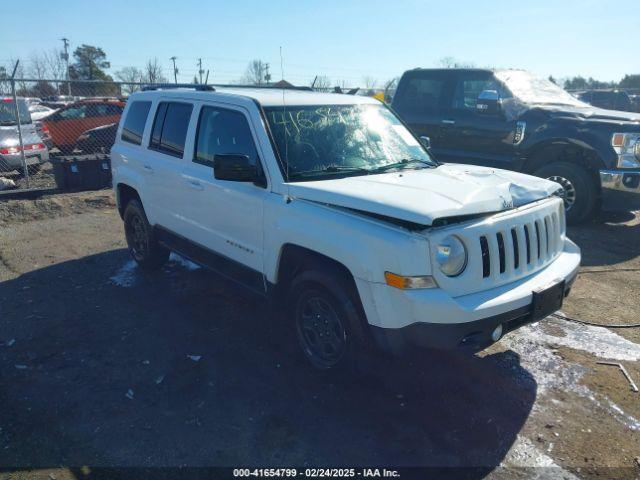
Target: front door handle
x=148, y=168
x=448, y=121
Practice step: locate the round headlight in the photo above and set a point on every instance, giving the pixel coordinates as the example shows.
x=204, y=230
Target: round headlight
x=451, y=256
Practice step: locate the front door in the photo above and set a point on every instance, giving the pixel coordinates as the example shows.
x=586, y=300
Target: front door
x=470, y=136
x=225, y=217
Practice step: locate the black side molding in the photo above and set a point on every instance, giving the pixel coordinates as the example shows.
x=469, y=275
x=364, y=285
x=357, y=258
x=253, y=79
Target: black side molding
x=220, y=264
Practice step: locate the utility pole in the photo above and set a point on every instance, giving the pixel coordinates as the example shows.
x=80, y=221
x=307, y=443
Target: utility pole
x=65, y=57
x=200, y=70
x=175, y=70
x=267, y=75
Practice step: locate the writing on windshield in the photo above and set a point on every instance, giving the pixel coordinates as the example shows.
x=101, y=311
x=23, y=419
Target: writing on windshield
x=318, y=140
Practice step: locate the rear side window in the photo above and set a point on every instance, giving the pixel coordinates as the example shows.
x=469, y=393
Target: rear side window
x=421, y=94
x=222, y=131
x=135, y=121
x=170, y=128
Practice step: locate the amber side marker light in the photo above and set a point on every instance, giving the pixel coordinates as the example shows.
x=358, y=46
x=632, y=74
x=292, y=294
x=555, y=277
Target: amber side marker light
x=409, y=283
x=617, y=140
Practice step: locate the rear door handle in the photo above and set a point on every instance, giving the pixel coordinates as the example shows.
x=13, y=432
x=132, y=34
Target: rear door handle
x=148, y=168
x=448, y=121
x=195, y=185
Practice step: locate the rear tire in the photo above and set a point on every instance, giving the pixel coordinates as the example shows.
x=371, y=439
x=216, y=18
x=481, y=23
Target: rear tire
x=143, y=246
x=579, y=190
x=326, y=320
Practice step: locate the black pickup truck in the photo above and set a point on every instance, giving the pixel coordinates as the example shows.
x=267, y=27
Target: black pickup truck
x=510, y=119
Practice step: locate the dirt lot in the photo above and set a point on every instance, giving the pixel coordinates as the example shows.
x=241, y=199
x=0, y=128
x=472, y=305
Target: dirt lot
x=101, y=365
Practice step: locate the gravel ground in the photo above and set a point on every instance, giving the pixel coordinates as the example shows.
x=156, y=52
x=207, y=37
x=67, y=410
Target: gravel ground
x=102, y=365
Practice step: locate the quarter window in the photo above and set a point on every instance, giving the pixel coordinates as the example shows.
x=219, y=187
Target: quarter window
x=135, y=121
x=170, y=128
x=222, y=131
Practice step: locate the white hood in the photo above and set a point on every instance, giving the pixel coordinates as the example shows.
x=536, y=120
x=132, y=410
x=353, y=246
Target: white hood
x=421, y=196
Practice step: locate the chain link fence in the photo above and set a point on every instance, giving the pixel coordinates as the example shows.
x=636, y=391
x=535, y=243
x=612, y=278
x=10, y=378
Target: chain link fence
x=57, y=134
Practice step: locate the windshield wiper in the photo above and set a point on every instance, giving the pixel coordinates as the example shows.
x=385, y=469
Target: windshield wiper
x=404, y=163
x=331, y=169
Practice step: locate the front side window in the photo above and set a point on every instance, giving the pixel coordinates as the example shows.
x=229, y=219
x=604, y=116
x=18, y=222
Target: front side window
x=325, y=141
x=223, y=131
x=135, y=121
x=170, y=128
x=468, y=90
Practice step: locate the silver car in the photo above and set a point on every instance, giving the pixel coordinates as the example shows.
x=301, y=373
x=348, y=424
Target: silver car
x=35, y=150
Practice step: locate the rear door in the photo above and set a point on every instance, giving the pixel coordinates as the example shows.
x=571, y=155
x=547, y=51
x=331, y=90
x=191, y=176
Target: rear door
x=420, y=101
x=472, y=137
x=164, y=160
x=223, y=216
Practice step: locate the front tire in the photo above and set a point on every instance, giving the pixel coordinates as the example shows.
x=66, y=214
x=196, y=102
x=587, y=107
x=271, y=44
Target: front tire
x=579, y=190
x=143, y=247
x=326, y=316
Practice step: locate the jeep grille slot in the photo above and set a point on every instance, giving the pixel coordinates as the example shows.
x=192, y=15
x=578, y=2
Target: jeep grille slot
x=501, y=252
x=526, y=236
x=516, y=249
x=486, y=261
x=537, y=227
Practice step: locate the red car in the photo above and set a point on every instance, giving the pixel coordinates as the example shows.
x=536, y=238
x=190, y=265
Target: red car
x=67, y=124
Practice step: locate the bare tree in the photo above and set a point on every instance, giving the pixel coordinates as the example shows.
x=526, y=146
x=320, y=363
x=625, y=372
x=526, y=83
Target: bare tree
x=390, y=88
x=370, y=84
x=38, y=66
x=255, y=73
x=451, y=62
x=56, y=66
x=322, y=82
x=130, y=76
x=153, y=72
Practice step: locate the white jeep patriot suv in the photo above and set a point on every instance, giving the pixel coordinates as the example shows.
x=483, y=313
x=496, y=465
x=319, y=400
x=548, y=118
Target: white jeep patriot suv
x=328, y=205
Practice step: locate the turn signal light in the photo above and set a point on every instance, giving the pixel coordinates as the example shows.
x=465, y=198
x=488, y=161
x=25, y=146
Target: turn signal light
x=408, y=283
x=617, y=140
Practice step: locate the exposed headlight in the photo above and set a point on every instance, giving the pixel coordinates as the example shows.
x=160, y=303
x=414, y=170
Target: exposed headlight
x=451, y=256
x=627, y=146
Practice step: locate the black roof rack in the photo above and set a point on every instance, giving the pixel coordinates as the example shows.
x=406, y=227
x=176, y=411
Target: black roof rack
x=166, y=86
x=266, y=87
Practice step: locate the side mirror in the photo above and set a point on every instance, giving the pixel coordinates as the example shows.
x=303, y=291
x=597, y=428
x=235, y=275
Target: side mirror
x=234, y=168
x=488, y=102
x=426, y=142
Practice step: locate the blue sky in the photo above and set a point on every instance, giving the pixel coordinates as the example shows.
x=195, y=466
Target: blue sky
x=345, y=40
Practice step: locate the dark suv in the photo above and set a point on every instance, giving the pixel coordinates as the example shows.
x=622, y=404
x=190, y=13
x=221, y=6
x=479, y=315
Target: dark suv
x=608, y=99
x=510, y=119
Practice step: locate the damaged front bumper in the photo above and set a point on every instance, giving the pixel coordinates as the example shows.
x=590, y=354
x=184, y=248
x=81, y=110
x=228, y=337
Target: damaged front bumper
x=432, y=319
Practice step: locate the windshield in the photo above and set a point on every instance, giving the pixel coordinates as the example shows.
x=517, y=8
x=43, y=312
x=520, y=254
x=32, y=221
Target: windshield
x=8, y=112
x=533, y=90
x=318, y=141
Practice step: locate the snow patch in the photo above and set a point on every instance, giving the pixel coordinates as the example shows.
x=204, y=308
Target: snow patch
x=550, y=371
x=183, y=262
x=524, y=453
x=598, y=341
x=126, y=275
